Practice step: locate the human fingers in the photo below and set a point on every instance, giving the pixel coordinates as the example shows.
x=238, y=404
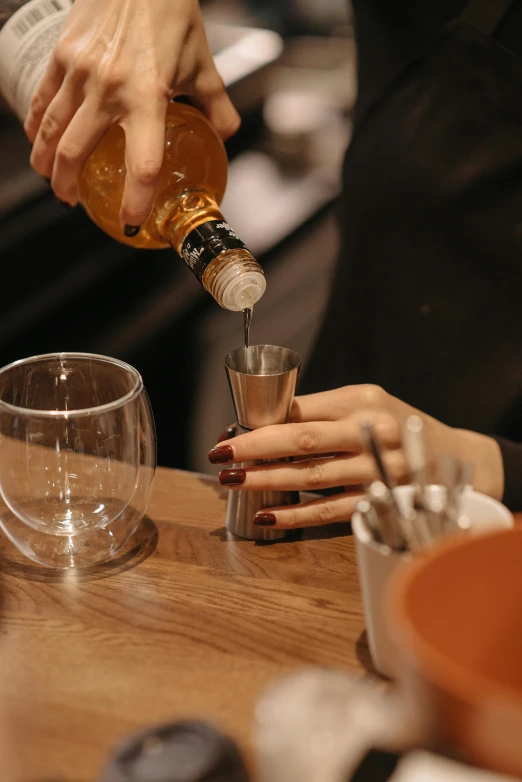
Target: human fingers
x=46, y=90
x=313, y=438
x=208, y=92
x=144, y=148
x=79, y=140
x=52, y=127
x=326, y=510
x=339, y=403
x=313, y=474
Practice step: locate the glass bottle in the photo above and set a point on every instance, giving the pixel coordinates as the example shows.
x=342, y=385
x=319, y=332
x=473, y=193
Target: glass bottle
x=186, y=213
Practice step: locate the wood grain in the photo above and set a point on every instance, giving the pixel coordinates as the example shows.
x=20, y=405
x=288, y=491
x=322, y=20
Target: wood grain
x=186, y=622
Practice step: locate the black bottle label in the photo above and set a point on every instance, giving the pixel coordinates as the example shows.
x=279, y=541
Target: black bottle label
x=206, y=242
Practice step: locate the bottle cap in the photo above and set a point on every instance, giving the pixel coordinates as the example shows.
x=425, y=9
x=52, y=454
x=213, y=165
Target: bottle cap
x=206, y=242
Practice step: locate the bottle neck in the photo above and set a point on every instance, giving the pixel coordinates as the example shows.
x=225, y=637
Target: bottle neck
x=195, y=227
x=184, y=214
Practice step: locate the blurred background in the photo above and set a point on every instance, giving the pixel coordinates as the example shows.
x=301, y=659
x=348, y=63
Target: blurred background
x=289, y=66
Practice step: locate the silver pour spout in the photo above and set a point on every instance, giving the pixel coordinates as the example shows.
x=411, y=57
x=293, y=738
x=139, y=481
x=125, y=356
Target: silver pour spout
x=262, y=382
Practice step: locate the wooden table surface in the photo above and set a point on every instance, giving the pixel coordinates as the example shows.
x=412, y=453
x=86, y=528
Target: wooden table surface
x=184, y=623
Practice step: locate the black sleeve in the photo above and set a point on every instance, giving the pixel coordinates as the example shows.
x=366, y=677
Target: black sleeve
x=388, y=33
x=512, y=460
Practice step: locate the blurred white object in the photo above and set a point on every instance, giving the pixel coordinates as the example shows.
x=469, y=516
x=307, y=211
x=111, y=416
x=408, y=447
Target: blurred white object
x=306, y=131
x=242, y=50
x=317, y=725
x=297, y=111
x=325, y=66
x=426, y=767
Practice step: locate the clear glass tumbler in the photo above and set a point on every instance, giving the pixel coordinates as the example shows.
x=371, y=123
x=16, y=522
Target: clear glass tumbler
x=77, y=456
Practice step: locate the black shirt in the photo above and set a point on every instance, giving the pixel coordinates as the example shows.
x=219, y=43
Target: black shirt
x=426, y=294
x=390, y=31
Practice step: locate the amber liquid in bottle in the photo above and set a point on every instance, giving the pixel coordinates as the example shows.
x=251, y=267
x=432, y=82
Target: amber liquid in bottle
x=186, y=212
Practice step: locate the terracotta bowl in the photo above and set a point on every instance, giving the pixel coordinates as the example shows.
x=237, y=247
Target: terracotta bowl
x=455, y=616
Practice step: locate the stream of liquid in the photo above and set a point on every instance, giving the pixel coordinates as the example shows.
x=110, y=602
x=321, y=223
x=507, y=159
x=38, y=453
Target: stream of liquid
x=247, y=315
x=247, y=320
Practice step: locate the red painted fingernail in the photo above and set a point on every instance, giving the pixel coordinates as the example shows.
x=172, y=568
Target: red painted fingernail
x=131, y=230
x=221, y=455
x=227, y=434
x=232, y=477
x=265, y=519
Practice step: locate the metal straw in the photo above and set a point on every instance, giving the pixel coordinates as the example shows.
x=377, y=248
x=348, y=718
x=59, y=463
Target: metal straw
x=436, y=509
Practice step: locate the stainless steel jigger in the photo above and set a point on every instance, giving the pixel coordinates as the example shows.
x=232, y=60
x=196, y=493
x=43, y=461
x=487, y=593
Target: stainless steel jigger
x=262, y=381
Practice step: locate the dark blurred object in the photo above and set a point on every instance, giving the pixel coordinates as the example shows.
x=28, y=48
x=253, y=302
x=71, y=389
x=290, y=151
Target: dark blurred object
x=188, y=751
x=287, y=17
x=376, y=766
x=7, y=9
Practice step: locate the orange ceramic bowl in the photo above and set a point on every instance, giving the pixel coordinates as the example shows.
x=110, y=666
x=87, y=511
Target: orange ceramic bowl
x=455, y=616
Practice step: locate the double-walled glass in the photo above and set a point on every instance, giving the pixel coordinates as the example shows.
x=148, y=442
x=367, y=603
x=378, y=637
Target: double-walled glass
x=77, y=456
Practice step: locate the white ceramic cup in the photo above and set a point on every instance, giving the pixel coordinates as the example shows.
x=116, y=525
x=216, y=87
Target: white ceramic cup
x=376, y=563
